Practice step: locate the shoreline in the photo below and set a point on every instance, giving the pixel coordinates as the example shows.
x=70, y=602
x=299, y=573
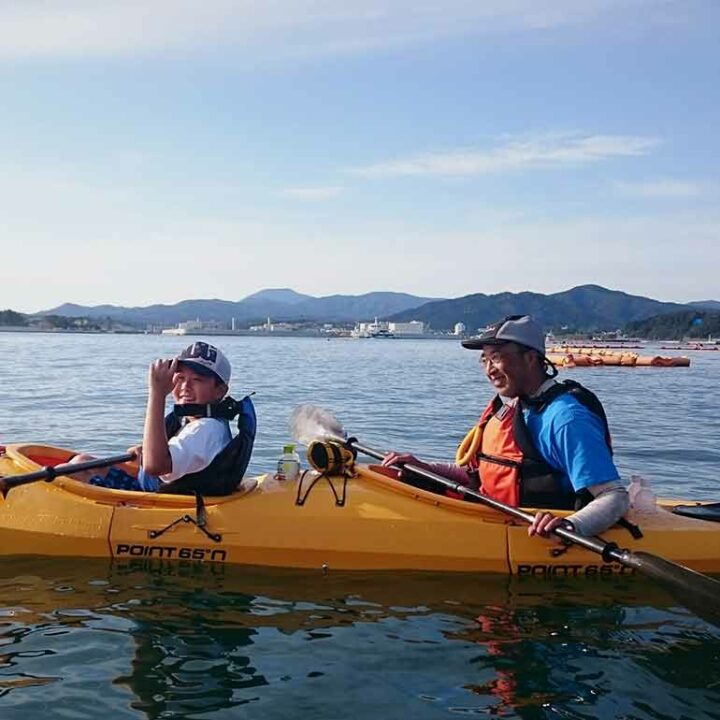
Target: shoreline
x=220, y=333
x=669, y=344
x=66, y=331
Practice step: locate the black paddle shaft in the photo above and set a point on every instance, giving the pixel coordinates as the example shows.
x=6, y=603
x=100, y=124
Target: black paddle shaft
x=50, y=472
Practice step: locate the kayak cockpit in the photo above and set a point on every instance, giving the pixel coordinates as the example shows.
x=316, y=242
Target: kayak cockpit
x=30, y=458
x=699, y=511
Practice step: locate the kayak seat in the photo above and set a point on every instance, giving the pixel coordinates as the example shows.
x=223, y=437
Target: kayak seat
x=45, y=460
x=699, y=511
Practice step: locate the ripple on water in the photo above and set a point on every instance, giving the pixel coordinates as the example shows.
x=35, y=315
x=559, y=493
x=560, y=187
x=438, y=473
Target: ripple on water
x=167, y=641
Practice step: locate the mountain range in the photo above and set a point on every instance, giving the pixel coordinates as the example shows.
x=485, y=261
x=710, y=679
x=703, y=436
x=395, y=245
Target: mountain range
x=586, y=307
x=277, y=303
x=713, y=305
x=689, y=324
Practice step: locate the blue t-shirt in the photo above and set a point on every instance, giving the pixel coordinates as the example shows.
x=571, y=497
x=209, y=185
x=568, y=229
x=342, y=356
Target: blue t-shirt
x=571, y=438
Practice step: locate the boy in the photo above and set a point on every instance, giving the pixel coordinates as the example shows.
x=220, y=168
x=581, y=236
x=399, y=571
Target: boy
x=192, y=450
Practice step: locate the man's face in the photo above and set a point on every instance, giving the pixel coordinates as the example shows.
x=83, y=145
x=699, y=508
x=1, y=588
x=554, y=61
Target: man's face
x=190, y=387
x=508, y=368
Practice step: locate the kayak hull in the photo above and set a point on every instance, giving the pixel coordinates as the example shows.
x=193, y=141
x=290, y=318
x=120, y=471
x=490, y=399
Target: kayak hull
x=366, y=522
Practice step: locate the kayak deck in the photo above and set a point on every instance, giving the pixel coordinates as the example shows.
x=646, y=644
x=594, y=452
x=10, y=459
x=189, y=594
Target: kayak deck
x=366, y=522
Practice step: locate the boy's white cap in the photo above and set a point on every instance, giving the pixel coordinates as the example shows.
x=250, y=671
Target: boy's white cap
x=206, y=360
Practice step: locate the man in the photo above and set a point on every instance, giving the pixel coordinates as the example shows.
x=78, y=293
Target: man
x=192, y=449
x=539, y=442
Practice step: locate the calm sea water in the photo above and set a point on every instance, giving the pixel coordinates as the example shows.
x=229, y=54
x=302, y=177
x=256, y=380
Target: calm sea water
x=84, y=638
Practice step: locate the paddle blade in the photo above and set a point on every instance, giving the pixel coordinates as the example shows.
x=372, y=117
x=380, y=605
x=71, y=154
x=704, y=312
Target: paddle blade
x=310, y=422
x=699, y=593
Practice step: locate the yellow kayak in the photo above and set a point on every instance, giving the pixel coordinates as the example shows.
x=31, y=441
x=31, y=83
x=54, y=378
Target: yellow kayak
x=365, y=522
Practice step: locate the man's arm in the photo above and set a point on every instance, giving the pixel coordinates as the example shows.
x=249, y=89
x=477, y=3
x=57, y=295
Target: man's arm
x=451, y=471
x=579, y=449
x=610, y=503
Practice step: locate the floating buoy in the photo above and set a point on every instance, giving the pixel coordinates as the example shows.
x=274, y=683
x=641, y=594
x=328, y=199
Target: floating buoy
x=588, y=357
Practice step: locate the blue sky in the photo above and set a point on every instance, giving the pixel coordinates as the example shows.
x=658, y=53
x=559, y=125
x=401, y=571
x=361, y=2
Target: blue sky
x=157, y=151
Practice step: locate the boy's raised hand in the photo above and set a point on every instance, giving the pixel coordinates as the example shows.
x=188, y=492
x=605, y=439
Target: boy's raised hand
x=161, y=376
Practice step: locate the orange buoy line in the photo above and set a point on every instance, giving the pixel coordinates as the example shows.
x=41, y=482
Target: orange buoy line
x=562, y=347
x=570, y=357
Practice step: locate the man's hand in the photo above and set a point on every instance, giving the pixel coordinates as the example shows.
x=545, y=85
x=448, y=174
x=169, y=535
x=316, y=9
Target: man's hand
x=544, y=523
x=393, y=458
x=161, y=376
x=398, y=460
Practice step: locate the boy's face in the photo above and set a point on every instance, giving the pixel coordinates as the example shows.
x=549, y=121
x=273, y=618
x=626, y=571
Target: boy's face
x=190, y=387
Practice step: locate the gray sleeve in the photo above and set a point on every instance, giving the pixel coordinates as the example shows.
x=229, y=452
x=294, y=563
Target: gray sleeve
x=610, y=504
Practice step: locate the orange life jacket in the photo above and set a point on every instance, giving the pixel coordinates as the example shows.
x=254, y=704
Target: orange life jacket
x=510, y=467
x=499, y=458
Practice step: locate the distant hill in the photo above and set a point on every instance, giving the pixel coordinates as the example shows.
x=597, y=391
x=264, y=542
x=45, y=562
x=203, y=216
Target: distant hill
x=185, y=310
x=677, y=326
x=586, y=307
x=73, y=310
x=706, y=304
x=279, y=304
x=359, y=307
x=279, y=295
x=12, y=318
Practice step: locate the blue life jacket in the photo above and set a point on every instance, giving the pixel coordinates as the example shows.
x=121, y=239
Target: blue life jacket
x=224, y=474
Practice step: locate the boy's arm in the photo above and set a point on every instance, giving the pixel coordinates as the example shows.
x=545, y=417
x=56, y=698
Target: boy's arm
x=156, y=455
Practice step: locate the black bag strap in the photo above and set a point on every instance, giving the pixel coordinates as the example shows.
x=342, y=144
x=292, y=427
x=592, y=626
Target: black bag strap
x=588, y=398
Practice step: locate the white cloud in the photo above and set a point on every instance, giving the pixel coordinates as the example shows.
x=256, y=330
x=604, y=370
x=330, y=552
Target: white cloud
x=663, y=188
x=549, y=151
x=126, y=27
x=312, y=194
x=74, y=237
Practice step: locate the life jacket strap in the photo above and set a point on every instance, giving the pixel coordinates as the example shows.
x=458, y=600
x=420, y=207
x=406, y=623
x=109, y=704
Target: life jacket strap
x=226, y=409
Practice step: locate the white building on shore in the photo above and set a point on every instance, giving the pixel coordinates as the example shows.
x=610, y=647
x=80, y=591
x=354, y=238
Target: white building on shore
x=193, y=326
x=414, y=327
x=184, y=328
x=386, y=329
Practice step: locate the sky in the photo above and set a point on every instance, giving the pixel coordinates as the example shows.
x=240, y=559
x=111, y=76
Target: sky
x=155, y=151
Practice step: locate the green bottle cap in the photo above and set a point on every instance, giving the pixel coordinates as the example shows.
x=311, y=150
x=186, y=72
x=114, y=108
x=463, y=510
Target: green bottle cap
x=288, y=448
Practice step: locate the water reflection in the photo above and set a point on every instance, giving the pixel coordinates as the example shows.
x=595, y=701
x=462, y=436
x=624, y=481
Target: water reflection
x=618, y=649
x=189, y=641
x=182, y=669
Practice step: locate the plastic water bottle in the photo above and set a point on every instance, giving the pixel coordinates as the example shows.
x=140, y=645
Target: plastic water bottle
x=288, y=467
x=642, y=498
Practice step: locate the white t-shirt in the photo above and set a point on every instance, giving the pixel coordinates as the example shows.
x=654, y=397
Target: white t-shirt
x=195, y=446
